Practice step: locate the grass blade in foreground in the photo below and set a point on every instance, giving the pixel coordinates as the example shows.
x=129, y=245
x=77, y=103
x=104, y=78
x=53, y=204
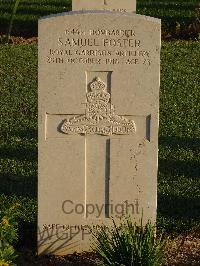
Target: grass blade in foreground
x=128, y=244
x=11, y=20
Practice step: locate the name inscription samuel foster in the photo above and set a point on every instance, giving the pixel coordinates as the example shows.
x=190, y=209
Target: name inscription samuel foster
x=99, y=46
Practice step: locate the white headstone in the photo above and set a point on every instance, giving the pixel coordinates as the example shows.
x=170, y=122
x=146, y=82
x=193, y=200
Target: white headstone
x=98, y=124
x=111, y=5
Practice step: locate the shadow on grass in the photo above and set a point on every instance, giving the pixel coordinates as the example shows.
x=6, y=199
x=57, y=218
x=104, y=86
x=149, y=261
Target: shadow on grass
x=34, y=11
x=22, y=28
x=168, y=5
x=12, y=184
x=189, y=169
x=176, y=207
x=171, y=167
x=178, y=142
x=181, y=210
x=178, y=214
x=57, y=3
x=19, y=153
x=27, y=236
x=18, y=185
x=30, y=133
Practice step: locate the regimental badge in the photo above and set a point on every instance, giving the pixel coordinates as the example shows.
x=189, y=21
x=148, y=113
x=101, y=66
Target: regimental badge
x=99, y=117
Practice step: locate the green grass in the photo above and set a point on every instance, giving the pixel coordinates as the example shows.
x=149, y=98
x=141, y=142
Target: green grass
x=29, y=11
x=18, y=115
x=179, y=156
x=18, y=135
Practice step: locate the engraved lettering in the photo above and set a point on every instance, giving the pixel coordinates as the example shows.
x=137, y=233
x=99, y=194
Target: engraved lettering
x=55, y=60
x=123, y=43
x=74, y=32
x=80, y=42
x=100, y=46
x=93, y=52
x=132, y=61
x=112, y=61
x=60, y=52
x=84, y=60
x=60, y=41
x=147, y=62
x=106, y=32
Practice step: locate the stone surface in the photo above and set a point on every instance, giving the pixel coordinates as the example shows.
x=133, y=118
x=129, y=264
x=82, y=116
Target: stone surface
x=111, y=5
x=98, y=124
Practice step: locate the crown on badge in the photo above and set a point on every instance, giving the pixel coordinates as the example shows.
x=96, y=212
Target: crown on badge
x=97, y=85
x=98, y=91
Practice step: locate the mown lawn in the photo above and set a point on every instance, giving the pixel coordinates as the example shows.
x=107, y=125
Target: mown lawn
x=179, y=156
x=18, y=113
x=175, y=15
x=179, y=149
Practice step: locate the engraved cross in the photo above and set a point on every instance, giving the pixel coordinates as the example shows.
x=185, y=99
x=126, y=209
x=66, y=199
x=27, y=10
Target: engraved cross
x=99, y=119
